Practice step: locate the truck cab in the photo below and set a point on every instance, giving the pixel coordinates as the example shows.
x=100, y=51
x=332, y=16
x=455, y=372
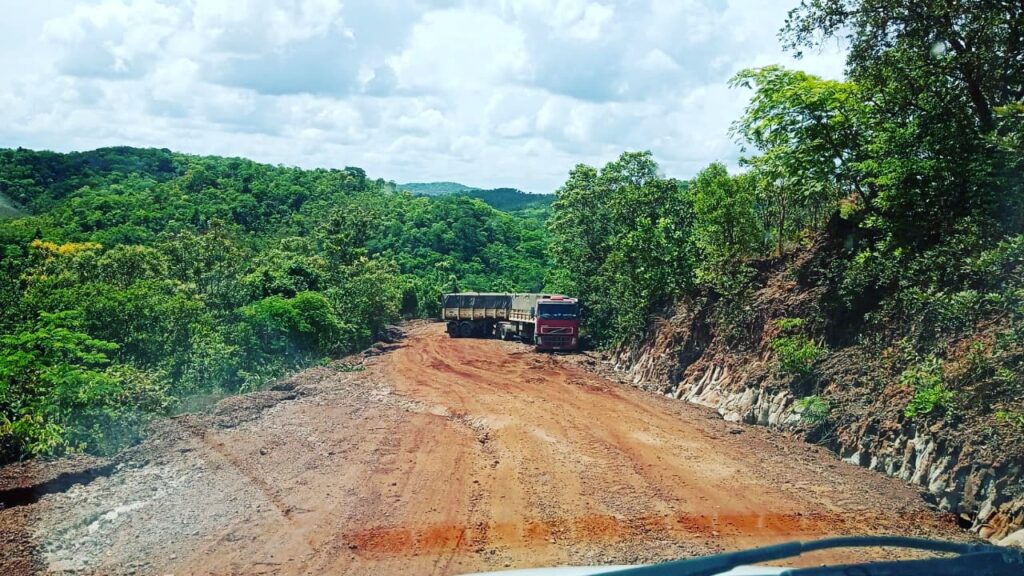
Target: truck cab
x=556, y=326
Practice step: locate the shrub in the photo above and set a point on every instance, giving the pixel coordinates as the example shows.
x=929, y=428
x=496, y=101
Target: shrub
x=812, y=410
x=298, y=327
x=797, y=354
x=1014, y=418
x=58, y=393
x=789, y=324
x=930, y=391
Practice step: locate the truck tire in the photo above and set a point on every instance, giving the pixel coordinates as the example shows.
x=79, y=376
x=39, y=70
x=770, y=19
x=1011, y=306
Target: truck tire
x=484, y=330
x=466, y=329
x=453, y=329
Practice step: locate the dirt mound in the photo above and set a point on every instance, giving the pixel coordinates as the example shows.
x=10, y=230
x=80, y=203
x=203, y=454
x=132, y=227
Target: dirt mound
x=236, y=410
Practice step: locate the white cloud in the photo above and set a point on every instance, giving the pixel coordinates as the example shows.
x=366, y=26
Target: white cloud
x=114, y=37
x=592, y=23
x=657, y=61
x=253, y=25
x=458, y=49
x=507, y=93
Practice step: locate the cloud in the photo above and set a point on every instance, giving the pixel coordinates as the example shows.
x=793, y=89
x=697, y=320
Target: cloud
x=114, y=38
x=492, y=93
x=248, y=26
x=315, y=66
x=451, y=50
x=382, y=81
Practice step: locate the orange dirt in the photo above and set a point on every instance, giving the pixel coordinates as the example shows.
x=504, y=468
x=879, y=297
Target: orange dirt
x=449, y=456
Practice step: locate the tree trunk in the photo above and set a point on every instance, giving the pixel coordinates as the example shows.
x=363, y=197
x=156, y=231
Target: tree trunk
x=782, y=220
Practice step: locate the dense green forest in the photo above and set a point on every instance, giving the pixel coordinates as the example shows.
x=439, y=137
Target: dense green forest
x=508, y=199
x=143, y=278
x=911, y=165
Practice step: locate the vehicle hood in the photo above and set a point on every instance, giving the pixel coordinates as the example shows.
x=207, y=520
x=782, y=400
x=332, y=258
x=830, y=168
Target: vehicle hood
x=589, y=570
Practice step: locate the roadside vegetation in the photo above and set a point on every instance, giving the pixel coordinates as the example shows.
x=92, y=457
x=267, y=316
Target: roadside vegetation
x=908, y=171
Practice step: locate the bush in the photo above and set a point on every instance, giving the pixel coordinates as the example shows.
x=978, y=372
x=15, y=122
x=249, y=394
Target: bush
x=789, y=324
x=797, y=354
x=58, y=393
x=812, y=410
x=297, y=328
x=930, y=391
x=1014, y=418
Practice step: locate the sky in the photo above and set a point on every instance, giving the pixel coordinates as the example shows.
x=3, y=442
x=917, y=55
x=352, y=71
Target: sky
x=487, y=93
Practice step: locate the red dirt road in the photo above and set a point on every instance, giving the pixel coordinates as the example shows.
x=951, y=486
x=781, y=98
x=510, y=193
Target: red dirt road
x=451, y=456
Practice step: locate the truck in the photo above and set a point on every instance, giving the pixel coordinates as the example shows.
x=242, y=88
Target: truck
x=549, y=321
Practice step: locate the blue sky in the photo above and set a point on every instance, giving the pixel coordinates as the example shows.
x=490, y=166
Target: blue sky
x=488, y=93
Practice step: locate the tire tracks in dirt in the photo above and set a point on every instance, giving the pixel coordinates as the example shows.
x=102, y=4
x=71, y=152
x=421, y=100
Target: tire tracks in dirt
x=448, y=456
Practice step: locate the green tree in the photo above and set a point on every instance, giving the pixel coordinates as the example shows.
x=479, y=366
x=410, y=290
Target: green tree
x=725, y=227
x=621, y=242
x=934, y=74
x=811, y=134
x=58, y=394
x=582, y=227
x=959, y=54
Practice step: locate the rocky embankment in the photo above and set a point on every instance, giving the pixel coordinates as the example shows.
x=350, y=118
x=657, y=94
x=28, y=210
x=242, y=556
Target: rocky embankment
x=683, y=357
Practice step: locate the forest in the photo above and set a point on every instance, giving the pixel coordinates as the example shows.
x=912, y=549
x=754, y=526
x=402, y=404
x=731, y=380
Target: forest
x=133, y=281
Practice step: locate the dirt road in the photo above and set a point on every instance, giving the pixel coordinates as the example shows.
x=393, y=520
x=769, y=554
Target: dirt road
x=449, y=456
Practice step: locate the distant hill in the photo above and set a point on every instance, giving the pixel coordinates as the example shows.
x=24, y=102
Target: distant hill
x=436, y=188
x=7, y=208
x=507, y=199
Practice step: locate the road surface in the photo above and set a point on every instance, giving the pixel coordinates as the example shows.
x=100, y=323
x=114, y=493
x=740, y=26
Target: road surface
x=447, y=456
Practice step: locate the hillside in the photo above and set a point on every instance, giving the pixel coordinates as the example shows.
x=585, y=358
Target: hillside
x=167, y=278
x=791, y=365
x=436, y=188
x=507, y=199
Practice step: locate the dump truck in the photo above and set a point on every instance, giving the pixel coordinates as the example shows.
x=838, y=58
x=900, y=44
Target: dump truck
x=549, y=321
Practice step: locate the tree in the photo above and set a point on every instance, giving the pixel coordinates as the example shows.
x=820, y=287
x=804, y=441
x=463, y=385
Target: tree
x=370, y=298
x=965, y=55
x=725, y=227
x=581, y=226
x=934, y=74
x=621, y=242
x=56, y=393
x=125, y=265
x=811, y=134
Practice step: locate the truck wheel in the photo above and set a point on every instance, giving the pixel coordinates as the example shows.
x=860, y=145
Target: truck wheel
x=466, y=329
x=453, y=329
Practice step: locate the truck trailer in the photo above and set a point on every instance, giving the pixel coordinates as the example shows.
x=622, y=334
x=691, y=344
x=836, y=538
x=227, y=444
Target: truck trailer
x=549, y=321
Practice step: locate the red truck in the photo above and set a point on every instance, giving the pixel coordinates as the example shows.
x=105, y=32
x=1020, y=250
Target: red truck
x=550, y=321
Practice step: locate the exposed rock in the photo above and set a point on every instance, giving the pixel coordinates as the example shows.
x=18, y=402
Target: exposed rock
x=681, y=357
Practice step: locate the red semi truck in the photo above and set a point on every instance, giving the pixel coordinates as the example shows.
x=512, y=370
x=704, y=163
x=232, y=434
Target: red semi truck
x=550, y=321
